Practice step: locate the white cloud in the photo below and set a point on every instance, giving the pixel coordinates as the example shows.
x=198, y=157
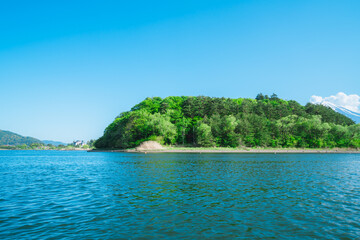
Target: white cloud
x=350, y=102
x=316, y=99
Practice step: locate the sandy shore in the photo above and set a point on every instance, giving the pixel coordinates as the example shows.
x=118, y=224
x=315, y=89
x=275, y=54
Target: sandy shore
x=222, y=150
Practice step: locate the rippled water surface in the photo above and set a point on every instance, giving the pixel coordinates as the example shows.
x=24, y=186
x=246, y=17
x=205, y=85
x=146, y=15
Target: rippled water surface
x=80, y=195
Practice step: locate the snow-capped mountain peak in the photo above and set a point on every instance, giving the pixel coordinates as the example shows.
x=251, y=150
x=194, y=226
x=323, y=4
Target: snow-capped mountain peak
x=348, y=105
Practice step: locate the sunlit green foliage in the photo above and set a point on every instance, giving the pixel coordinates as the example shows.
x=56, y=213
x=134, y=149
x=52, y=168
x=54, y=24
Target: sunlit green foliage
x=204, y=137
x=224, y=122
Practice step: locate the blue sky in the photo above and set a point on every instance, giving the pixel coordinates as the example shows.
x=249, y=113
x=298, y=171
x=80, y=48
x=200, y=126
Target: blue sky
x=68, y=68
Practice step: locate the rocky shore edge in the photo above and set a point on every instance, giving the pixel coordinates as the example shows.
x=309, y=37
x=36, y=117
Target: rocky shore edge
x=200, y=150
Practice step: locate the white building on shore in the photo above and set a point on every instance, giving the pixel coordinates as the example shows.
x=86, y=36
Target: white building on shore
x=78, y=143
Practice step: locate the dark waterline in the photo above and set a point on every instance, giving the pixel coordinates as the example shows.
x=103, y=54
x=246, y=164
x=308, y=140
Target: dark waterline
x=79, y=195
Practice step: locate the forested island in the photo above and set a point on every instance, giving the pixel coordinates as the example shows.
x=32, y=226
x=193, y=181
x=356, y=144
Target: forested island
x=223, y=122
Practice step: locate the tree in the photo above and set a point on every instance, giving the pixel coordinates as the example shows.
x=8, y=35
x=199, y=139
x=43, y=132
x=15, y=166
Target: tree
x=204, y=137
x=286, y=130
x=274, y=97
x=229, y=137
x=182, y=129
x=160, y=125
x=260, y=97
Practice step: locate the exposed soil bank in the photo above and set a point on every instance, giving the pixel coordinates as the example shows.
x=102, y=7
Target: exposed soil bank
x=149, y=146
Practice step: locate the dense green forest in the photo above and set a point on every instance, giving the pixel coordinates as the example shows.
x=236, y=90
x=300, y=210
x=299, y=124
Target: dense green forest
x=13, y=139
x=223, y=122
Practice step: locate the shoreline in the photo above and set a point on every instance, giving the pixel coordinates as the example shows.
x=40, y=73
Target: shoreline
x=76, y=149
x=242, y=151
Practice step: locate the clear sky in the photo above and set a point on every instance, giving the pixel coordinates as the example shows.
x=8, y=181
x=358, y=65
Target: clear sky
x=68, y=68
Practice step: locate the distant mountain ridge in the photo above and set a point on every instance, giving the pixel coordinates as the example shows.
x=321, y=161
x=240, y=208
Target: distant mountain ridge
x=14, y=139
x=55, y=143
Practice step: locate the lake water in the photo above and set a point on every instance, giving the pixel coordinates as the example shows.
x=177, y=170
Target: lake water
x=80, y=195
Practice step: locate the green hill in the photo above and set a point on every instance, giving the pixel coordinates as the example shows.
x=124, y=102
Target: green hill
x=13, y=139
x=224, y=122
